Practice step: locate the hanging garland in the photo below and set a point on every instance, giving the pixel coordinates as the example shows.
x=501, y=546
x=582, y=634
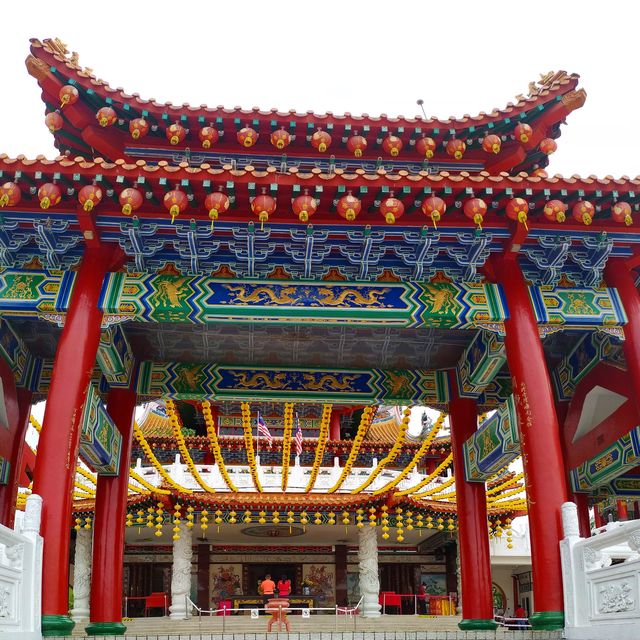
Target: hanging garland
x=182, y=447
x=142, y=441
x=434, y=490
x=286, y=443
x=365, y=422
x=506, y=494
x=248, y=444
x=147, y=485
x=323, y=435
x=435, y=429
x=423, y=483
x=214, y=445
x=506, y=484
x=391, y=456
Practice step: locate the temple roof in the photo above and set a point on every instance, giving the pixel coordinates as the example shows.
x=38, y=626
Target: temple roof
x=545, y=107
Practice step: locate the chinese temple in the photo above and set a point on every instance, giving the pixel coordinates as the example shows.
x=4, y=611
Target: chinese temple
x=273, y=294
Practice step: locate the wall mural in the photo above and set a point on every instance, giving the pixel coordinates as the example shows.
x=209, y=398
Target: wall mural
x=321, y=581
x=225, y=581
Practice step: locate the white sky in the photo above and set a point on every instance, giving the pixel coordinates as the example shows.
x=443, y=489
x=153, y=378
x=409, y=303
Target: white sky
x=362, y=57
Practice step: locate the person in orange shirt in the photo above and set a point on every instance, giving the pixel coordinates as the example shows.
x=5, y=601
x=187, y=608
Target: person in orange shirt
x=268, y=587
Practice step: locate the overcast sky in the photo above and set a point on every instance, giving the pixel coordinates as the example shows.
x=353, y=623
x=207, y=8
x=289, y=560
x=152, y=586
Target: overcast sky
x=362, y=57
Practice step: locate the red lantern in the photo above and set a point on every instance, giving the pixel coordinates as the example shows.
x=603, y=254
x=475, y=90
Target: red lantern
x=10, y=194
x=106, y=116
x=357, y=145
x=349, y=207
x=175, y=133
x=523, y=133
x=280, y=139
x=89, y=196
x=321, y=140
x=131, y=200
x=176, y=202
x=391, y=208
x=208, y=137
x=247, y=137
x=138, y=128
x=555, y=211
x=263, y=206
x=426, y=147
x=49, y=195
x=456, y=148
x=492, y=143
x=53, y=121
x=517, y=209
x=216, y=203
x=304, y=207
x=583, y=211
x=434, y=208
x=68, y=95
x=392, y=145
x=621, y=213
x=475, y=209
x=548, y=146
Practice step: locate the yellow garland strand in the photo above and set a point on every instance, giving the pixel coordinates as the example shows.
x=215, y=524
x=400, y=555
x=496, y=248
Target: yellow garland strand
x=511, y=505
x=147, y=485
x=286, y=443
x=214, y=445
x=391, y=456
x=35, y=424
x=83, y=487
x=434, y=490
x=320, y=446
x=182, y=447
x=365, y=422
x=435, y=429
x=423, y=483
x=248, y=444
x=506, y=494
x=505, y=485
x=142, y=441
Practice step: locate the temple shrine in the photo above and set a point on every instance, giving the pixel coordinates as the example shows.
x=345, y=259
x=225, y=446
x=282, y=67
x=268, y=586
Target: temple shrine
x=273, y=293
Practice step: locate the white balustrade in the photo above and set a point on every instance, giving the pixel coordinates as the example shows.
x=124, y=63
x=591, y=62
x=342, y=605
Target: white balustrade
x=601, y=577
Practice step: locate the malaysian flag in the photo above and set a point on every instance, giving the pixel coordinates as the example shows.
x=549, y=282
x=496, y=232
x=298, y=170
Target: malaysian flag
x=298, y=437
x=263, y=430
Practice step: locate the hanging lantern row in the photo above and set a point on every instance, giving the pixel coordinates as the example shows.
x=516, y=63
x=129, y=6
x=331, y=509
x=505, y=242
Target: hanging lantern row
x=305, y=206
x=321, y=140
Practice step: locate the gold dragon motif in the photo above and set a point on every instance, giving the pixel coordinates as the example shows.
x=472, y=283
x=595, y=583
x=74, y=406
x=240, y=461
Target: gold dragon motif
x=328, y=297
x=261, y=380
x=328, y=382
x=265, y=295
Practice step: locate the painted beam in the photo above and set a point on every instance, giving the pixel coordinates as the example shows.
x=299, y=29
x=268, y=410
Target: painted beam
x=115, y=357
x=347, y=386
x=618, y=458
x=480, y=362
x=494, y=445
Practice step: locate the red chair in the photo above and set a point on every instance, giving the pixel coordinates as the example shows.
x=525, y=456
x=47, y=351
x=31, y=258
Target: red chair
x=155, y=600
x=225, y=605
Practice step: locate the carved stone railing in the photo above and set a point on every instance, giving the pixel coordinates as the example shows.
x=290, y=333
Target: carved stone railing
x=601, y=577
x=21, y=575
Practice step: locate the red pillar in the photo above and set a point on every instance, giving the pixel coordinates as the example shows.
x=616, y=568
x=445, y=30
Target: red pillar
x=582, y=502
x=334, y=424
x=597, y=517
x=540, y=444
x=60, y=437
x=9, y=491
x=623, y=511
x=473, y=536
x=108, y=532
x=618, y=275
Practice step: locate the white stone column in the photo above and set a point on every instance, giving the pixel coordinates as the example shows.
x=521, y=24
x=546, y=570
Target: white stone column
x=82, y=576
x=368, y=563
x=181, y=574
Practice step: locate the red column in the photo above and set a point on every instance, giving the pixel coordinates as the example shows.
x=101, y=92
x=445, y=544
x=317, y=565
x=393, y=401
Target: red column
x=597, y=517
x=9, y=491
x=473, y=536
x=618, y=275
x=60, y=437
x=108, y=532
x=582, y=502
x=623, y=511
x=540, y=445
x=334, y=424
